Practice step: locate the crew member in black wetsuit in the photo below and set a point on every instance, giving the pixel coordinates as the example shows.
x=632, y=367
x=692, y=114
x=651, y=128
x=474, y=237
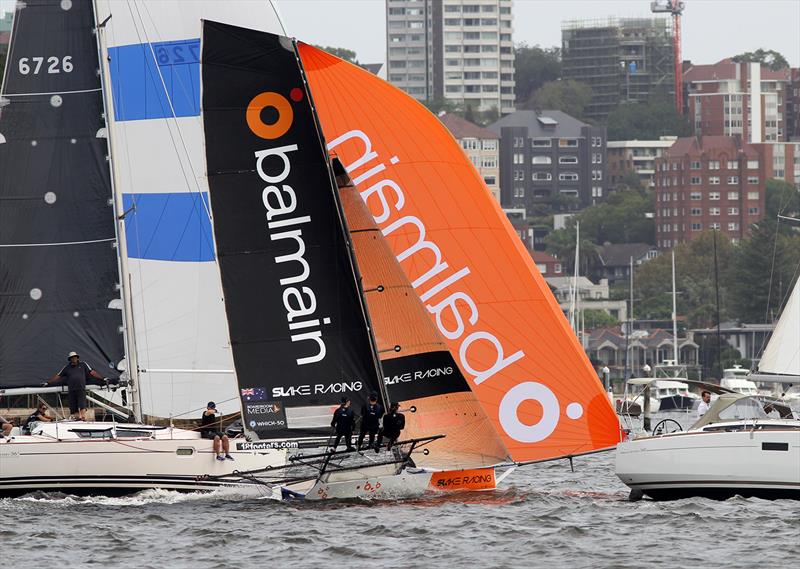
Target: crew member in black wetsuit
x=393, y=424
x=209, y=429
x=343, y=421
x=76, y=373
x=371, y=413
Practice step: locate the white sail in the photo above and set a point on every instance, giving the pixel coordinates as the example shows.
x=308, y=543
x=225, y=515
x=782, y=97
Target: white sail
x=152, y=52
x=782, y=354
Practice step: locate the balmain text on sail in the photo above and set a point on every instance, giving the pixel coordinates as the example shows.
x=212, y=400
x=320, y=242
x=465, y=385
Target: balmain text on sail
x=274, y=167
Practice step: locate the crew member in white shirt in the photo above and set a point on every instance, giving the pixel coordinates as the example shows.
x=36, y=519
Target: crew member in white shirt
x=704, y=404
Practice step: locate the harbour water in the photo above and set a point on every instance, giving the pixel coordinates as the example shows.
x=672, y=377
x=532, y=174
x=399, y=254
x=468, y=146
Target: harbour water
x=545, y=515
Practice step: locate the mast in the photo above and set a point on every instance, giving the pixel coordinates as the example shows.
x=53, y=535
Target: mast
x=351, y=255
x=573, y=302
x=674, y=314
x=630, y=316
x=129, y=337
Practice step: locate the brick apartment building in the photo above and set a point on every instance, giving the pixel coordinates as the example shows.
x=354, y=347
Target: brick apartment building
x=549, y=158
x=725, y=100
x=793, y=107
x=709, y=182
x=482, y=147
x=717, y=182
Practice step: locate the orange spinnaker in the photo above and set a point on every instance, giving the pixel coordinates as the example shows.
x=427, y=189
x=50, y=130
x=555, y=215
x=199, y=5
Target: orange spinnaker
x=471, y=271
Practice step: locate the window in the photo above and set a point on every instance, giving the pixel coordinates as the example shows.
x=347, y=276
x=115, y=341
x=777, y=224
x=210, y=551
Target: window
x=568, y=177
x=541, y=160
x=696, y=180
x=489, y=162
x=567, y=159
x=490, y=180
x=490, y=145
x=752, y=179
x=568, y=142
x=519, y=175
x=519, y=142
x=541, y=176
x=713, y=196
x=733, y=180
x=752, y=164
x=733, y=195
x=733, y=211
x=695, y=196
x=519, y=158
x=695, y=165
x=752, y=211
x=713, y=211
x=713, y=164
x=733, y=226
x=557, y=268
x=697, y=226
x=542, y=142
x=733, y=164
x=713, y=180
x=696, y=211
x=752, y=195
x=597, y=192
x=597, y=175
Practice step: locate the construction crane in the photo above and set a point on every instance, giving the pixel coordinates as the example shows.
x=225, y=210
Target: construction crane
x=674, y=7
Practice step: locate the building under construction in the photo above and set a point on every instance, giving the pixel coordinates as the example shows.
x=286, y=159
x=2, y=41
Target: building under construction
x=622, y=60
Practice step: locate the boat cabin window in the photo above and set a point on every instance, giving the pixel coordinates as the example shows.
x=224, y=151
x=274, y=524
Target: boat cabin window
x=92, y=434
x=743, y=409
x=131, y=433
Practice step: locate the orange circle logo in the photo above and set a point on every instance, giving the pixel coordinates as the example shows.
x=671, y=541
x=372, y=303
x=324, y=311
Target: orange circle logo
x=280, y=126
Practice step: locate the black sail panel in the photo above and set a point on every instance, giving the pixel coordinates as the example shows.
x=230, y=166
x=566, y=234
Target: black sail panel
x=298, y=332
x=58, y=262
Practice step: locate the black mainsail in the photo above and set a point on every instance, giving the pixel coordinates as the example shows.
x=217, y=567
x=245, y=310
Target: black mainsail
x=298, y=326
x=58, y=263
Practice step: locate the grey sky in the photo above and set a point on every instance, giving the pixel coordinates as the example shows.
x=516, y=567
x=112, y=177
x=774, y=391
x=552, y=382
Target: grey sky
x=712, y=29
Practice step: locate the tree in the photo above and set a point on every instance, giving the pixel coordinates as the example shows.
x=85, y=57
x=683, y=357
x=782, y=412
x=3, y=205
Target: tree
x=533, y=67
x=567, y=96
x=622, y=218
x=593, y=319
x=438, y=106
x=340, y=52
x=639, y=121
x=770, y=58
x=629, y=180
x=780, y=198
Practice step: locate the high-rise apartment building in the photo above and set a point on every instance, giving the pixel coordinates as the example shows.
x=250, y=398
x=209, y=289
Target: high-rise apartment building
x=622, y=60
x=457, y=50
x=725, y=99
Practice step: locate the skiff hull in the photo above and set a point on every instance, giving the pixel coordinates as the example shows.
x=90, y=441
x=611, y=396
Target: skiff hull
x=763, y=463
x=407, y=484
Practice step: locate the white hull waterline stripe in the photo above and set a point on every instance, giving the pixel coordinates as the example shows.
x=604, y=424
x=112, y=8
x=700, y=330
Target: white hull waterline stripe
x=7, y=95
x=156, y=370
x=12, y=245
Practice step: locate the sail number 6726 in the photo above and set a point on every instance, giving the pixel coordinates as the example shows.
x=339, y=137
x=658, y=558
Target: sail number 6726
x=52, y=64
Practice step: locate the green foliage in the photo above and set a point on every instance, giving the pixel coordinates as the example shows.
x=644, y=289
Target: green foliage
x=437, y=106
x=710, y=357
x=561, y=244
x=593, y=319
x=694, y=276
x=638, y=121
x=630, y=180
x=340, y=52
x=781, y=198
x=568, y=96
x=771, y=58
x=533, y=67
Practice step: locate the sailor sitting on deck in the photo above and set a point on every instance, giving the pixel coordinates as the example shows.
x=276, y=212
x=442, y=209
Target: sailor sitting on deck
x=343, y=421
x=6, y=425
x=393, y=424
x=209, y=429
x=39, y=415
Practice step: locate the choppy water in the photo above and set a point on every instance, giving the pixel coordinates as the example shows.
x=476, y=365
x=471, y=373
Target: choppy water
x=546, y=515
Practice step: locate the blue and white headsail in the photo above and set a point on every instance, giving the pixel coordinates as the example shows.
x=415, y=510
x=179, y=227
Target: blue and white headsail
x=153, y=84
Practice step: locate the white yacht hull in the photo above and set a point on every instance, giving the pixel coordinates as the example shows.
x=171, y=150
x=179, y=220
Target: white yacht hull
x=761, y=462
x=113, y=466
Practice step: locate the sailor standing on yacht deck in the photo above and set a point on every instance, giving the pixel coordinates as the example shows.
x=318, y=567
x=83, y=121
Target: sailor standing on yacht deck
x=702, y=409
x=76, y=373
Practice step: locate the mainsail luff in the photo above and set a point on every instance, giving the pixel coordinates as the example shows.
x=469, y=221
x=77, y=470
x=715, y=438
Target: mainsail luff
x=781, y=358
x=293, y=305
x=58, y=265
